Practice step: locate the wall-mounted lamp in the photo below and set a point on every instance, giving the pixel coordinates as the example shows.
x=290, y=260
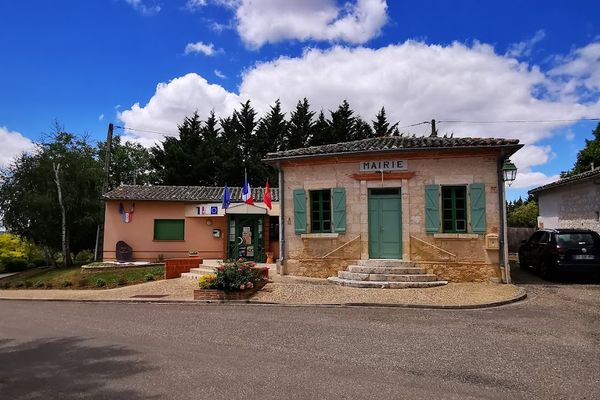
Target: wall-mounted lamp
x=509, y=172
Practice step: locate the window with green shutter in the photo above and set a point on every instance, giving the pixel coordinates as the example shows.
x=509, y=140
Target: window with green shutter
x=432, y=208
x=299, y=211
x=477, y=202
x=169, y=229
x=454, y=209
x=320, y=211
x=339, y=210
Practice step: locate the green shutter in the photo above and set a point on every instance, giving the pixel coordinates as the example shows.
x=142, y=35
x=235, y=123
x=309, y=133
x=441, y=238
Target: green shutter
x=432, y=208
x=169, y=229
x=339, y=210
x=477, y=199
x=299, y=211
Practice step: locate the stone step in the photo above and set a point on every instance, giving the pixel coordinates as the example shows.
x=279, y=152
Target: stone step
x=203, y=270
x=385, y=263
x=211, y=262
x=361, y=269
x=387, y=277
x=384, y=284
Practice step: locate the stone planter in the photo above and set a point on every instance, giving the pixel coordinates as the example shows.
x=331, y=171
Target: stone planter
x=218, y=294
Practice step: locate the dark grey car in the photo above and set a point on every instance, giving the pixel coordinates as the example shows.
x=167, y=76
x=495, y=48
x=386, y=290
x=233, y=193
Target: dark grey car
x=561, y=250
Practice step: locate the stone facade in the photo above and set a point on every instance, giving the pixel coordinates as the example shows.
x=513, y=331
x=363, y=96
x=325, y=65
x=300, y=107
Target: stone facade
x=576, y=205
x=456, y=257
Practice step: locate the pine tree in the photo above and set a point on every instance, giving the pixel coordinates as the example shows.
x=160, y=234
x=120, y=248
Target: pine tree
x=343, y=124
x=381, y=126
x=321, y=131
x=272, y=129
x=300, y=126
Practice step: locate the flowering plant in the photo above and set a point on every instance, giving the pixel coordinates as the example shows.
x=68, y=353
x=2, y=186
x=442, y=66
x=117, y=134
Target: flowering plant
x=234, y=275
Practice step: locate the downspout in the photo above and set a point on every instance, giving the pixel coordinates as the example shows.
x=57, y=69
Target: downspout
x=504, y=265
x=281, y=260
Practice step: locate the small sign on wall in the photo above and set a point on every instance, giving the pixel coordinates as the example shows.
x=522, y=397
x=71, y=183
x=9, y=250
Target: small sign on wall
x=204, y=210
x=383, y=165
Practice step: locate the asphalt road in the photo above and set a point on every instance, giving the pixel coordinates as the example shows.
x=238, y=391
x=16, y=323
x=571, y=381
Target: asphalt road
x=544, y=347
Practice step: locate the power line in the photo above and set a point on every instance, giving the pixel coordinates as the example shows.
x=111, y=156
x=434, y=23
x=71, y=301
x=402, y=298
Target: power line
x=145, y=130
x=519, y=121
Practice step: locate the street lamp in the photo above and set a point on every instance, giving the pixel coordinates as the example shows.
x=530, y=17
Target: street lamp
x=509, y=172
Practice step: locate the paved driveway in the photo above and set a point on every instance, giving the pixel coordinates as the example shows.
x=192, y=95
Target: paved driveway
x=543, y=348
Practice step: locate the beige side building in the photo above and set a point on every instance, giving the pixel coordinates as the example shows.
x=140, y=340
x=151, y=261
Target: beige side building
x=437, y=201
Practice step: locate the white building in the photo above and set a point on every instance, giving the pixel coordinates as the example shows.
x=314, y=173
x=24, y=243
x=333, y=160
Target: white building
x=572, y=202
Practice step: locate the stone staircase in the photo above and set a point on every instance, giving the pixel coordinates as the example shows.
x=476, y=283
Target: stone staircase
x=207, y=267
x=386, y=274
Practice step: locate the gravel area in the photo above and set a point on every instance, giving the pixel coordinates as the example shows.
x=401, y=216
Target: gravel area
x=290, y=290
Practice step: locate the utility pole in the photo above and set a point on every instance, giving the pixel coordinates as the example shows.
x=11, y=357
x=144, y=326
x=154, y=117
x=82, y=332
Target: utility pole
x=109, y=138
x=107, y=158
x=433, y=130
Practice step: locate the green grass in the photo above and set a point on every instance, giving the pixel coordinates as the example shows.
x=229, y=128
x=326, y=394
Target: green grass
x=57, y=278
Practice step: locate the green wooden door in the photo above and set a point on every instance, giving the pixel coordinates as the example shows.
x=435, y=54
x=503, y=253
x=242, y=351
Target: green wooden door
x=385, y=224
x=245, y=237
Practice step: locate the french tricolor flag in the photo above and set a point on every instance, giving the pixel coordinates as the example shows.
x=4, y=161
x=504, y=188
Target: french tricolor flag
x=246, y=192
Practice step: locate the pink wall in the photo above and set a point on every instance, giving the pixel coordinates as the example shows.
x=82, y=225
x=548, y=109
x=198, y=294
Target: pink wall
x=139, y=233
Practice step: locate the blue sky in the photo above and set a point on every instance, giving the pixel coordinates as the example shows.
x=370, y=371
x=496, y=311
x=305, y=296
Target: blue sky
x=87, y=63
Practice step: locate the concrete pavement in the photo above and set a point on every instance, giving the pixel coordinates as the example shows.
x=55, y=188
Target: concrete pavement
x=545, y=347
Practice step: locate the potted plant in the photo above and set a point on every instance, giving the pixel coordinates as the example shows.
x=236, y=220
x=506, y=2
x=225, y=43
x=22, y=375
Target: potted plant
x=232, y=280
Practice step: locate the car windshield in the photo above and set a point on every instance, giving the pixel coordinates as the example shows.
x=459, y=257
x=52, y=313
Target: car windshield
x=574, y=239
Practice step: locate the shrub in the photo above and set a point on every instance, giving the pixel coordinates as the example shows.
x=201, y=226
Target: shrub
x=48, y=285
x=66, y=284
x=236, y=275
x=38, y=284
x=28, y=284
x=5, y=285
x=206, y=281
x=100, y=282
x=38, y=262
x=84, y=257
x=15, y=265
x=148, y=277
x=122, y=281
x=20, y=284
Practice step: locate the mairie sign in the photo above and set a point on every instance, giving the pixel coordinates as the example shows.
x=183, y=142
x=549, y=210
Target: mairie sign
x=383, y=165
x=204, y=210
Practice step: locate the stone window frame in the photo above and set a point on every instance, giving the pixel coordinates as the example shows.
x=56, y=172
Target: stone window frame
x=453, y=209
x=320, y=220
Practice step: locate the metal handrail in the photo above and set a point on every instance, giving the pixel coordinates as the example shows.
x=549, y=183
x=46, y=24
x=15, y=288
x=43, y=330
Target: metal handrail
x=340, y=247
x=434, y=246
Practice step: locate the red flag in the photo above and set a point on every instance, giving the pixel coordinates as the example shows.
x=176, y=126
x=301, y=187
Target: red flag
x=267, y=196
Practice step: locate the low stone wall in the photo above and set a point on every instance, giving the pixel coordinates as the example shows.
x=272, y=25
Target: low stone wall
x=316, y=267
x=462, y=271
x=174, y=267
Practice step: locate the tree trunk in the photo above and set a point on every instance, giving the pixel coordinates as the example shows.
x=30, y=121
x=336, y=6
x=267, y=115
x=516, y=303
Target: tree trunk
x=49, y=258
x=65, y=242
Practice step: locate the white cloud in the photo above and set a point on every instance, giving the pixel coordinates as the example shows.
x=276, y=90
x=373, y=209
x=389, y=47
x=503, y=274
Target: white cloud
x=143, y=8
x=524, y=49
x=172, y=102
x=219, y=74
x=208, y=49
x=11, y=145
x=271, y=21
x=526, y=180
x=413, y=80
x=101, y=117
x=581, y=68
x=194, y=5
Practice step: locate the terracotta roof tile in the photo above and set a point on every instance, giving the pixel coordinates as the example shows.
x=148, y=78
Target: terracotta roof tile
x=384, y=144
x=183, y=193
